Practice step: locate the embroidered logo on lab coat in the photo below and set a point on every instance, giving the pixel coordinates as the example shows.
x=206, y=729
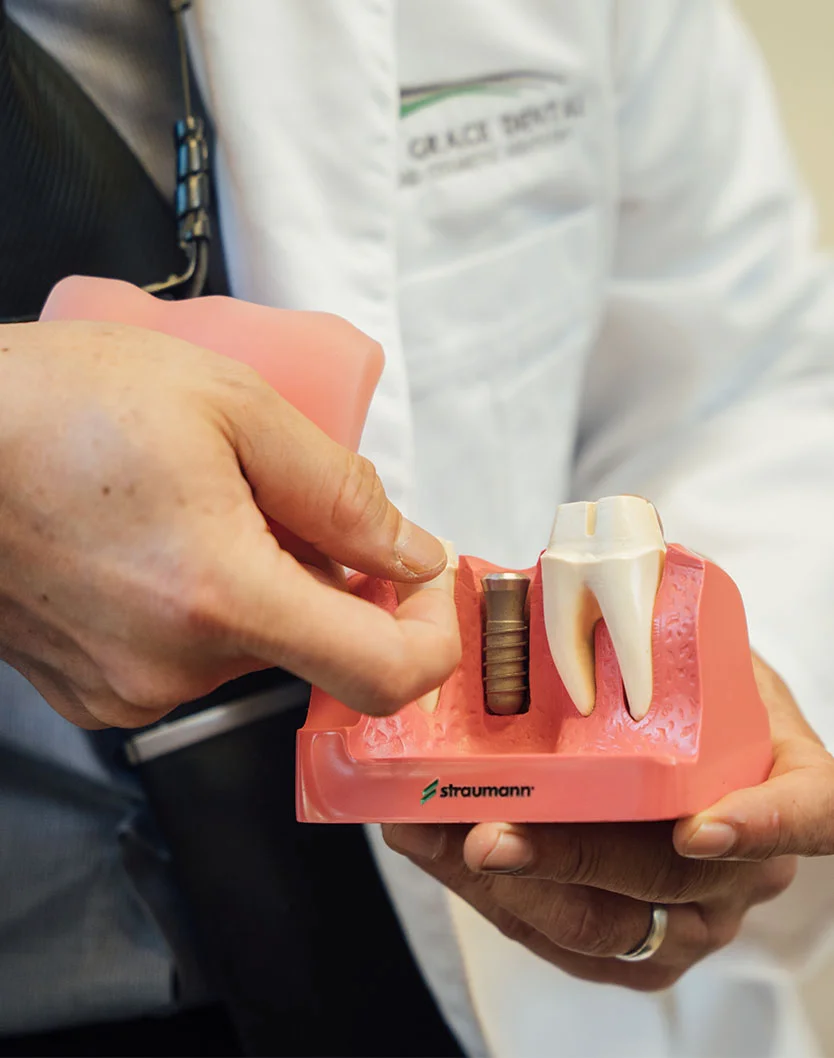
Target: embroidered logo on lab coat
x=454, y=126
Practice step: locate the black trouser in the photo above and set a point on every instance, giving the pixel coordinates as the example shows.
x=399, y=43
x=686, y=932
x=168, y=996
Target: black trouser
x=206, y=1032
x=298, y=936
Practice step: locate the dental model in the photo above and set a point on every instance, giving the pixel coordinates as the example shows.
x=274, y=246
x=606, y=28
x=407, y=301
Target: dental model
x=611, y=681
x=642, y=702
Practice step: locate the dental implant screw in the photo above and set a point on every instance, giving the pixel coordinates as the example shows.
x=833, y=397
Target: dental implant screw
x=506, y=642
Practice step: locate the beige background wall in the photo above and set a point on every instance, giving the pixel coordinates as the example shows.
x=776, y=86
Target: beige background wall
x=798, y=41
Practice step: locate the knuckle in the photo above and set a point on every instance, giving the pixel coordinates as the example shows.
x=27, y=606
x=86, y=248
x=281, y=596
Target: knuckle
x=578, y=861
x=381, y=704
x=394, y=683
x=774, y=878
x=200, y=613
x=785, y=869
x=771, y=843
x=681, y=881
x=158, y=663
x=360, y=500
x=236, y=376
x=402, y=677
x=584, y=928
x=722, y=931
x=143, y=693
x=190, y=608
x=511, y=926
x=775, y=834
x=387, y=694
x=182, y=603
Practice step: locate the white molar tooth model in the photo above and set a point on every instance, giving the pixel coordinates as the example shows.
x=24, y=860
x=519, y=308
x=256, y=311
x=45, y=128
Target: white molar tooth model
x=604, y=560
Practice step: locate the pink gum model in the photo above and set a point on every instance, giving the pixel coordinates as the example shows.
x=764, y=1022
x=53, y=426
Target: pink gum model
x=332, y=388
x=706, y=731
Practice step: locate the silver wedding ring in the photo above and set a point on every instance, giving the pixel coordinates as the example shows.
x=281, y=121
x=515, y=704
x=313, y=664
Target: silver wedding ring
x=654, y=938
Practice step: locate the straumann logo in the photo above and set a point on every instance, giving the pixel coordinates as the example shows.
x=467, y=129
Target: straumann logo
x=453, y=790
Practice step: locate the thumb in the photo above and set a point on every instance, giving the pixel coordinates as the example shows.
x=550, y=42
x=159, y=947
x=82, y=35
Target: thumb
x=790, y=814
x=323, y=493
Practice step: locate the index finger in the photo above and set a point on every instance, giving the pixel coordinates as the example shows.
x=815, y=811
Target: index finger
x=371, y=660
x=633, y=859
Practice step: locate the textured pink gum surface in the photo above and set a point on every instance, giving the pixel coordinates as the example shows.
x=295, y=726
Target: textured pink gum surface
x=705, y=734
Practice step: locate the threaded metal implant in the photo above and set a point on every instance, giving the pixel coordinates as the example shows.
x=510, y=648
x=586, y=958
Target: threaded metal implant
x=506, y=642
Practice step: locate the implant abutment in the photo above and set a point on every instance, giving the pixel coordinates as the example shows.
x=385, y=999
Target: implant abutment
x=506, y=642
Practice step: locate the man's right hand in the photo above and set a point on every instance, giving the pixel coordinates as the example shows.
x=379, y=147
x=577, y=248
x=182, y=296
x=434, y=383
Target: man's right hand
x=137, y=568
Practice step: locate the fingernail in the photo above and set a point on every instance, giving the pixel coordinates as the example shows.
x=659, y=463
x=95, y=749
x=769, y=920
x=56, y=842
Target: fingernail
x=510, y=852
x=414, y=839
x=711, y=839
x=419, y=551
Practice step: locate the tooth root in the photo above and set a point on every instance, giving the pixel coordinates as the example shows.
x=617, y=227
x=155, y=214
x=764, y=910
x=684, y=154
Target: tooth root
x=570, y=613
x=603, y=560
x=626, y=590
x=445, y=580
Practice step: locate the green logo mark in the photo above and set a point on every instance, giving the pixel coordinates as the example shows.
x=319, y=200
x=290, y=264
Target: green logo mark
x=429, y=791
x=418, y=97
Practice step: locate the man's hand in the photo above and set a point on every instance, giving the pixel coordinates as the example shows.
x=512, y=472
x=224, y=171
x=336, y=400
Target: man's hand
x=579, y=894
x=137, y=569
x=792, y=813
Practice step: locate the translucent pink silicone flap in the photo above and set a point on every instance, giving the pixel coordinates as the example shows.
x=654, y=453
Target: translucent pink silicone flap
x=330, y=383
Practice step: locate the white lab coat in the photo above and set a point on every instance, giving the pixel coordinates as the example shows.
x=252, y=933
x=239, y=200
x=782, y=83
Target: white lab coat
x=632, y=304
x=589, y=259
